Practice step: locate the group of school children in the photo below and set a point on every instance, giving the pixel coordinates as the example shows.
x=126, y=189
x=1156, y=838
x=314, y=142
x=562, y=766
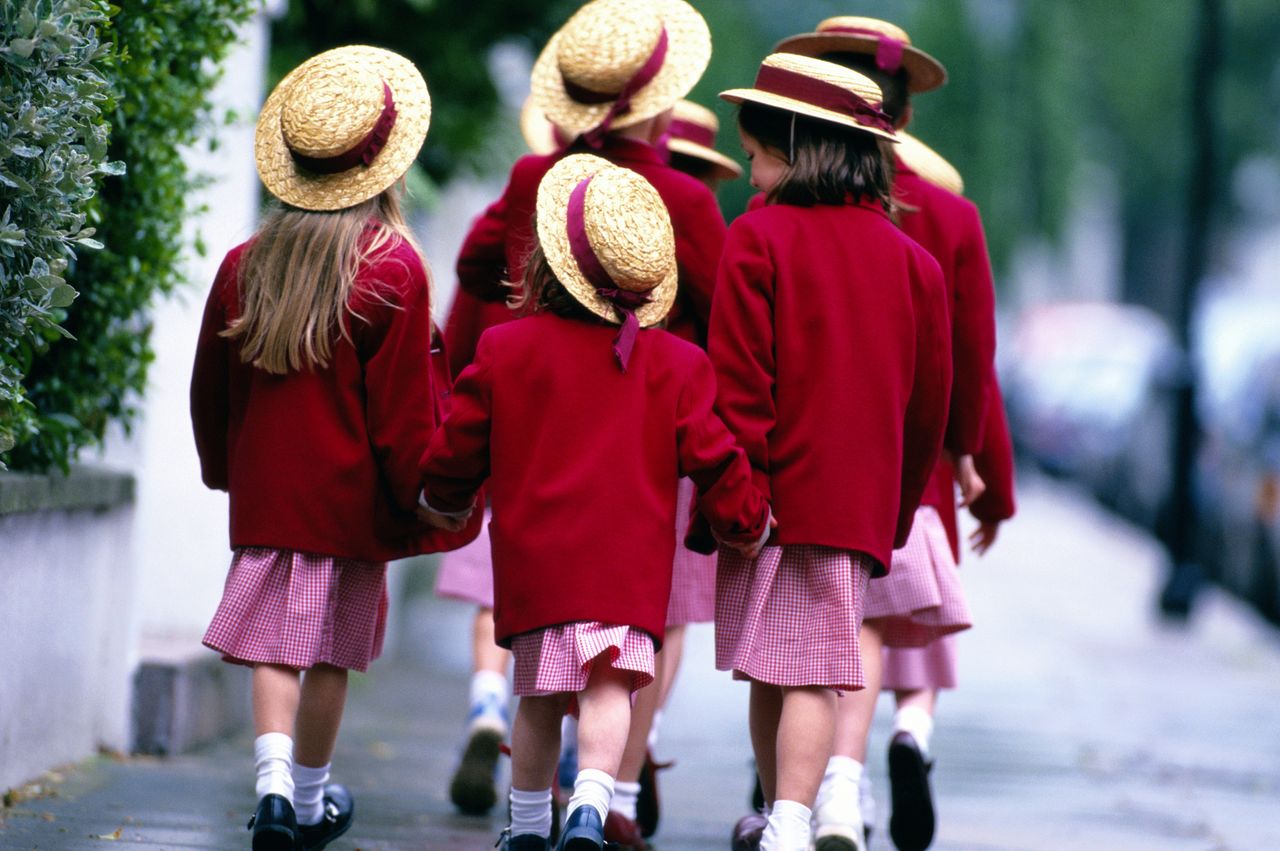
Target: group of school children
x=636, y=419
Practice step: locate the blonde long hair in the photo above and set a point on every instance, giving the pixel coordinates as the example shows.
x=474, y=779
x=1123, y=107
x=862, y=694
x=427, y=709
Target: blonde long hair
x=297, y=275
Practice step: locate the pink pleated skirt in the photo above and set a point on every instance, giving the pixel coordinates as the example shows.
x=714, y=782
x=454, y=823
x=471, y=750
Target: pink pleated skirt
x=791, y=617
x=283, y=607
x=466, y=574
x=560, y=658
x=912, y=668
x=921, y=599
x=693, y=575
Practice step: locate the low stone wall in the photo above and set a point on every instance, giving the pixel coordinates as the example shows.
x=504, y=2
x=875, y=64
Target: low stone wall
x=67, y=625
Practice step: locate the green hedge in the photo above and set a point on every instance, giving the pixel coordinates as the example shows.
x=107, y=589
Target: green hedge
x=164, y=62
x=53, y=147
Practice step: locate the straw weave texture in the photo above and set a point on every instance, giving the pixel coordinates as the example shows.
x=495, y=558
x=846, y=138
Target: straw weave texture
x=924, y=73
x=627, y=225
x=323, y=108
x=685, y=110
x=928, y=163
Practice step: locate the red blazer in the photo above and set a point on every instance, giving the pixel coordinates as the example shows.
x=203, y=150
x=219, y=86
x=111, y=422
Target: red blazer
x=949, y=227
x=832, y=348
x=996, y=467
x=325, y=461
x=500, y=240
x=582, y=462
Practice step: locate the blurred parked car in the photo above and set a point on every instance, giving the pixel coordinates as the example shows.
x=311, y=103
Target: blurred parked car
x=1089, y=392
x=1238, y=362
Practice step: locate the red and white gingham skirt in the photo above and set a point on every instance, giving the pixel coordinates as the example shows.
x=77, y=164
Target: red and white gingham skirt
x=283, y=607
x=910, y=668
x=466, y=574
x=693, y=575
x=560, y=658
x=791, y=617
x=921, y=599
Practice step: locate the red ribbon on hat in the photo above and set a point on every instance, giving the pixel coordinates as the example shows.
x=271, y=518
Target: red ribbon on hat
x=363, y=152
x=888, y=49
x=692, y=132
x=622, y=100
x=820, y=93
x=626, y=301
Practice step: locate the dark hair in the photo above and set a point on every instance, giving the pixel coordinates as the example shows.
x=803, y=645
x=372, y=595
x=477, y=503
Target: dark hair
x=696, y=167
x=827, y=163
x=893, y=87
x=542, y=290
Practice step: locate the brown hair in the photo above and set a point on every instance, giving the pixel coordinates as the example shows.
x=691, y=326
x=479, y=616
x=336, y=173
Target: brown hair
x=297, y=275
x=826, y=162
x=542, y=290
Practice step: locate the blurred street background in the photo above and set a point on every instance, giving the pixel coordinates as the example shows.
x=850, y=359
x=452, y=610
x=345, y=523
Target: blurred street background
x=1121, y=684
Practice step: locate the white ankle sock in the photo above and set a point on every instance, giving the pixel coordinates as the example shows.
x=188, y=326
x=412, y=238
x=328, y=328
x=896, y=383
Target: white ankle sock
x=531, y=812
x=273, y=760
x=788, y=827
x=592, y=788
x=917, y=722
x=652, y=741
x=489, y=698
x=844, y=768
x=867, y=801
x=624, y=798
x=308, y=792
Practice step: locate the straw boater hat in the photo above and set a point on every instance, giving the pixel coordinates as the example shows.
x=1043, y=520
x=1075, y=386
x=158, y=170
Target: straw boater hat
x=607, y=237
x=928, y=163
x=889, y=44
x=539, y=134
x=693, y=133
x=618, y=62
x=817, y=89
x=341, y=127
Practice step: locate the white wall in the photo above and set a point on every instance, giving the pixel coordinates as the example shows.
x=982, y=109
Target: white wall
x=67, y=655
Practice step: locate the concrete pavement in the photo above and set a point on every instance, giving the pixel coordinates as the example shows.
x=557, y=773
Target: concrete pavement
x=1081, y=722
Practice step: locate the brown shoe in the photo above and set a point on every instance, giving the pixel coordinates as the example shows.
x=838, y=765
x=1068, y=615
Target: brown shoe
x=622, y=830
x=747, y=832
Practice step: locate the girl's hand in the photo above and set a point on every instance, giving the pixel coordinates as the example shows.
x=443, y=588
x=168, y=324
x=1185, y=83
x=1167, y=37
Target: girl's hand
x=750, y=551
x=449, y=522
x=983, y=537
x=971, y=484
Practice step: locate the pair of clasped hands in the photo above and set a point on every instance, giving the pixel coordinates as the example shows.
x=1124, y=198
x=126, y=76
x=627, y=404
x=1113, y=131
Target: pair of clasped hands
x=456, y=521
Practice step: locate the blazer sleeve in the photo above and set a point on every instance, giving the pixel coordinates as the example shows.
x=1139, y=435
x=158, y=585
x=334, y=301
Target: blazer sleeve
x=210, y=382
x=926, y=413
x=973, y=342
x=741, y=346
x=700, y=236
x=402, y=402
x=456, y=462
x=995, y=465
x=708, y=454
x=482, y=260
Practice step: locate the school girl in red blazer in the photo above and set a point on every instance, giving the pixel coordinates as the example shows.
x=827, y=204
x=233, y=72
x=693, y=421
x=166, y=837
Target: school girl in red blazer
x=581, y=423
x=312, y=395
x=831, y=343
x=921, y=600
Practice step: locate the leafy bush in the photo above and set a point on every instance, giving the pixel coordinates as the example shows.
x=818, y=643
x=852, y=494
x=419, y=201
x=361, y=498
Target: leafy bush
x=166, y=62
x=53, y=144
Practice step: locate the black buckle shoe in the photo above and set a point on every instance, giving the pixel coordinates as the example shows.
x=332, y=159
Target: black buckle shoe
x=912, y=818
x=339, y=810
x=583, y=831
x=522, y=842
x=274, y=826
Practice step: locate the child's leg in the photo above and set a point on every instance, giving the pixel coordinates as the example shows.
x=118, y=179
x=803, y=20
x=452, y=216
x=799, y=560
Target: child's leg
x=324, y=696
x=806, y=725
x=276, y=694
x=535, y=745
x=672, y=654
x=627, y=786
x=912, y=818
x=838, y=811
x=472, y=787
x=764, y=713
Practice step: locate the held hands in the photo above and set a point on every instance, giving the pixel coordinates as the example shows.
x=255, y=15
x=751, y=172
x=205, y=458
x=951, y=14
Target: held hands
x=448, y=521
x=750, y=551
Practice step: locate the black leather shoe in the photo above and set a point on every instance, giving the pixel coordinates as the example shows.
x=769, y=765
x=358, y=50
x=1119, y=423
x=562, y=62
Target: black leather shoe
x=583, y=831
x=912, y=818
x=523, y=842
x=274, y=826
x=339, y=810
